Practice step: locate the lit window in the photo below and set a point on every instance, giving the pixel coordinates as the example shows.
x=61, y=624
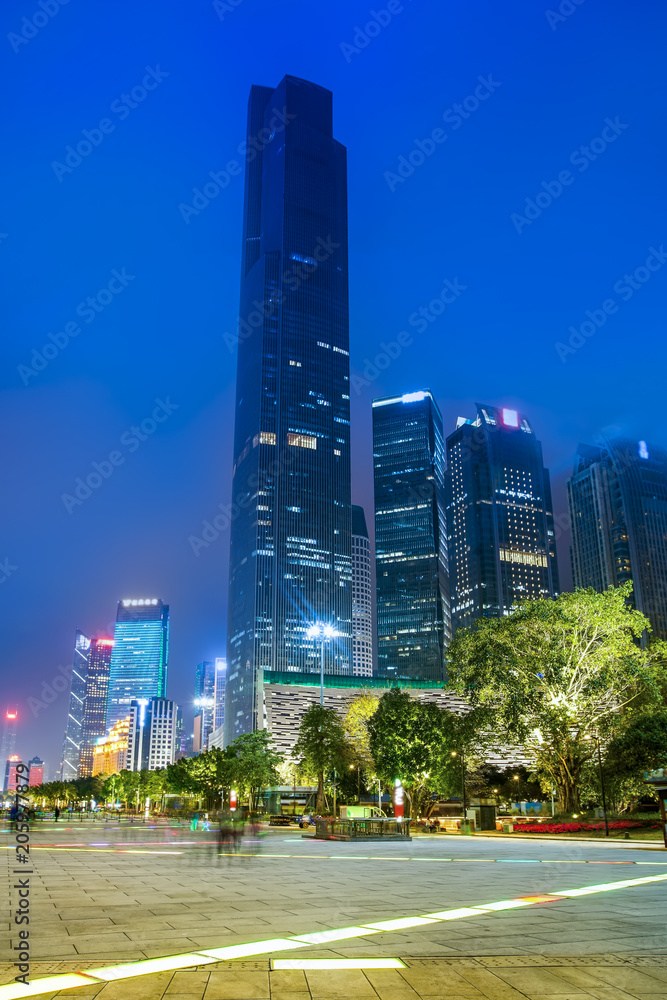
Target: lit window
x=302, y=441
x=265, y=437
x=295, y=364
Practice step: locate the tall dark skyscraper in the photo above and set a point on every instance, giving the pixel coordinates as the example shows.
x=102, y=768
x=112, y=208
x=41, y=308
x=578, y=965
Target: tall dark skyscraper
x=9, y=727
x=138, y=666
x=204, y=704
x=618, y=511
x=362, y=596
x=74, y=727
x=95, y=701
x=413, y=619
x=499, y=516
x=290, y=557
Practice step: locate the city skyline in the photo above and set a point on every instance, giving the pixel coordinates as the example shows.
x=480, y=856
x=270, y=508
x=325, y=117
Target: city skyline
x=520, y=294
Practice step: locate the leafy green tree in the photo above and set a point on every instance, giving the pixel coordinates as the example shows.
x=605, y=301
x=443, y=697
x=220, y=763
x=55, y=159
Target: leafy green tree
x=415, y=741
x=205, y=775
x=254, y=764
x=556, y=673
x=321, y=746
x=361, y=709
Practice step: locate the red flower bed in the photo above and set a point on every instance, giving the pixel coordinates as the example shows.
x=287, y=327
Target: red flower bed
x=619, y=824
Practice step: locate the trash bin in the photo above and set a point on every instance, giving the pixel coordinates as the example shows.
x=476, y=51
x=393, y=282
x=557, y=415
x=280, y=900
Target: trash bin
x=508, y=827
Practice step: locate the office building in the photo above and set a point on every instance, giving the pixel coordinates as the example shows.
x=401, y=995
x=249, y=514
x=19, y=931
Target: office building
x=152, y=732
x=77, y=694
x=362, y=597
x=204, y=704
x=35, y=772
x=9, y=727
x=95, y=701
x=500, y=527
x=618, y=511
x=110, y=752
x=290, y=548
x=11, y=778
x=219, y=692
x=138, y=667
x=413, y=619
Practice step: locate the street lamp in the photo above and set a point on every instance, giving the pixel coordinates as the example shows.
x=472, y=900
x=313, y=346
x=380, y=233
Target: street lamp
x=322, y=633
x=604, y=797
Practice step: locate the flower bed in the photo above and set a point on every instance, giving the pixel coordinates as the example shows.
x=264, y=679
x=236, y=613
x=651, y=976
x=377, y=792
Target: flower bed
x=619, y=824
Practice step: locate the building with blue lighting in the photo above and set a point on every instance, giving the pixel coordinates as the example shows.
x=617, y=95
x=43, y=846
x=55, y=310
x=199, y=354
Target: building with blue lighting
x=500, y=525
x=138, y=668
x=413, y=618
x=75, y=710
x=204, y=704
x=618, y=511
x=290, y=547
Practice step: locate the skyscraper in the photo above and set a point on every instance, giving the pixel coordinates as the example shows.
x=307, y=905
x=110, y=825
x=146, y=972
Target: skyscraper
x=618, y=511
x=362, y=596
x=138, y=666
x=499, y=516
x=9, y=726
x=204, y=704
x=413, y=620
x=95, y=701
x=219, y=694
x=35, y=772
x=290, y=555
x=151, y=742
x=77, y=694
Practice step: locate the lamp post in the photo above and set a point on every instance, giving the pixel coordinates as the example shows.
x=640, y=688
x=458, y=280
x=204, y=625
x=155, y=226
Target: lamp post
x=596, y=740
x=321, y=633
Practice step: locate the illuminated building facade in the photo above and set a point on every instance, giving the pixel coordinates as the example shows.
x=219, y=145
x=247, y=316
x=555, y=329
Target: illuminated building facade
x=362, y=597
x=618, y=511
x=110, y=752
x=500, y=526
x=95, y=701
x=77, y=695
x=35, y=772
x=219, y=692
x=9, y=727
x=413, y=620
x=152, y=734
x=204, y=704
x=290, y=554
x=11, y=777
x=138, y=667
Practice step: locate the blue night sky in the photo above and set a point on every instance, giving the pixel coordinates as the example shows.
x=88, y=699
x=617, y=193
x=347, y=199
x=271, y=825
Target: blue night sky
x=159, y=334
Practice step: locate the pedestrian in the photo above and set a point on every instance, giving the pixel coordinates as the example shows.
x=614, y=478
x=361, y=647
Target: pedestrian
x=56, y=813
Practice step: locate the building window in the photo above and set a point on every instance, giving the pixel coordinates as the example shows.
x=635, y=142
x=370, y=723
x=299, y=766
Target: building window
x=302, y=441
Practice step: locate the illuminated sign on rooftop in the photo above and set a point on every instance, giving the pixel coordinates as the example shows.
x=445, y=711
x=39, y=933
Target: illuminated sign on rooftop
x=510, y=418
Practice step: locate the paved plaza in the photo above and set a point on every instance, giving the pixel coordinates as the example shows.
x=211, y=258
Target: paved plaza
x=104, y=895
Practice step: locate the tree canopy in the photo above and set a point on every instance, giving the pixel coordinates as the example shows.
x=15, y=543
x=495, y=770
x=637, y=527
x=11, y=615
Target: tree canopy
x=321, y=746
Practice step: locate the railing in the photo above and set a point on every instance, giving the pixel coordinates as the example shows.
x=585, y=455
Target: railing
x=362, y=828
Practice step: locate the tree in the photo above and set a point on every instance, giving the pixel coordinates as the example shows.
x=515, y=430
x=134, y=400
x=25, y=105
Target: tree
x=205, y=775
x=414, y=741
x=361, y=709
x=555, y=674
x=321, y=745
x=254, y=764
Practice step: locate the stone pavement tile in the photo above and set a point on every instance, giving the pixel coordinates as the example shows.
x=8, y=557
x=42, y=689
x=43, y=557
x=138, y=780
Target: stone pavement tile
x=188, y=920
x=390, y=985
x=559, y=996
x=651, y=996
x=53, y=949
x=288, y=981
x=188, y=981
x=582, y=979
x=652, y=970
x=629, y=978
x=138, y=988
x=75, y=926
x=536, y=980
x=347, y=984
x=488, y=983
x=282, y=995
x=443, y=981
x=227, y=984
x=609, y=993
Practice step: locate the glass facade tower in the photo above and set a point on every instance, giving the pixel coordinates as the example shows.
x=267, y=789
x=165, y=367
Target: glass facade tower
x=290, y=553
x=500, y=527
x=95, y=701
x=204, y=704
x=138, y=666
x=77, y=695
x=618, y=511
x=413, y=619
x=362, y=596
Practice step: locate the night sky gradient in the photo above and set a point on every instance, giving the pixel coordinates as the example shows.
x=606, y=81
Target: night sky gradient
x=162, y=336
